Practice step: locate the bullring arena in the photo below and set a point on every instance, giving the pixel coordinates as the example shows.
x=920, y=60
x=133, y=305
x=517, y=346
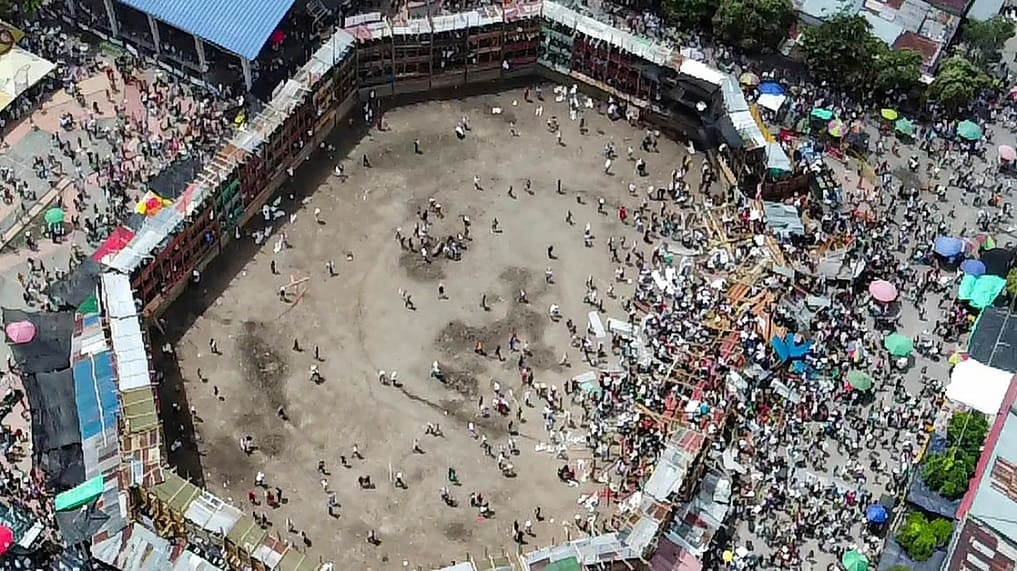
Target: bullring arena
x=359, y=323
x=322, y=395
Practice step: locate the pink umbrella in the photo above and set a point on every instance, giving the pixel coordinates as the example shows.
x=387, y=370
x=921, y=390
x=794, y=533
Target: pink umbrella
x=882, y=290
x=1007, y=153
x=6, y=538
x=20, y=331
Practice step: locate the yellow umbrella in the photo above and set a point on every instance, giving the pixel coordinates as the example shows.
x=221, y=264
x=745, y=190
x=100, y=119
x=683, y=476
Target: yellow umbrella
x=728, y=556
x=888, y=114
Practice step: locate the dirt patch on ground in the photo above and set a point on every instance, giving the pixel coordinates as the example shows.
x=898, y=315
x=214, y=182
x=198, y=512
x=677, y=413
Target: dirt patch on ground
x=458, y=340
x=457, y=531
x=421, y=270
x=261, y=364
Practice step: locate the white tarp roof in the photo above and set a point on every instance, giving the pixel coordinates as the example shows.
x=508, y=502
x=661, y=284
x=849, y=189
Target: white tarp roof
x=979, y=386
x=771, y=101
x=776, y=158
x=19, y=70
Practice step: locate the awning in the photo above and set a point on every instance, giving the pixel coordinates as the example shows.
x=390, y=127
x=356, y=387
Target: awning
x=979, y=386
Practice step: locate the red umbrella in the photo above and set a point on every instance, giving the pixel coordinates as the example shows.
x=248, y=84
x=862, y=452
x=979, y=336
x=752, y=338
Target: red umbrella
x=20, y=331
x=6, y=539
x=277, y=37
x=882, y=290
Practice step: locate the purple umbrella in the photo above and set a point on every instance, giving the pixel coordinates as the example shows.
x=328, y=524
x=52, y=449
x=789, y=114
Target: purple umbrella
x=948, y=247
x=972, y=267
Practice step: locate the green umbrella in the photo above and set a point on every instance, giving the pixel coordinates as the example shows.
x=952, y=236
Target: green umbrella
x=904, y=126
x=898, y=345
x=969, y=130
x=824, y=114
x=854, y=561
x=54, y=216
x=859, y=380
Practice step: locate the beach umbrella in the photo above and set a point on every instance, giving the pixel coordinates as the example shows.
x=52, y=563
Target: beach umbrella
x=54, y=216
x=1007, y=153
x=770, y=88
x=835, y=128
x=876, y=514
x=6, y=538
x=969, y=130
x=822, y=114
x=888, y=114
x=973, y=267
x=748, y=78
x=948, y=247
x=854, y=561
x=20, y=331
x=904, y=126
x=898, y=345
x=859, y=380
x=882, y=290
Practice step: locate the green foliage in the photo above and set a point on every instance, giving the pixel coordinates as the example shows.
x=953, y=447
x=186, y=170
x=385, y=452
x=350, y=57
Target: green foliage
x=984, y=40
x=689, y=13
x=896, y=69
x=920, y=537
x=841, y=50
x=900, y=568
x=949, y=472
x=754, y=25
x=1011, y=282
x=11, y=8
x=958, y=82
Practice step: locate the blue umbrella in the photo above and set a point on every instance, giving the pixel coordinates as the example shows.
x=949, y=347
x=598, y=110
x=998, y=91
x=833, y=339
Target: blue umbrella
x=973, y=267
x=947, y=246
x=770, y=88
x=876, y=514
x=781, y=348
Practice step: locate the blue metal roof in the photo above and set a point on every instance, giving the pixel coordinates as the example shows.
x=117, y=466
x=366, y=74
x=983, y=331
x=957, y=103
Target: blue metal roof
x=238, y=26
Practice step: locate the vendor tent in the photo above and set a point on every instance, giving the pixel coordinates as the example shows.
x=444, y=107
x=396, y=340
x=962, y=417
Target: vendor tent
x=979, y=386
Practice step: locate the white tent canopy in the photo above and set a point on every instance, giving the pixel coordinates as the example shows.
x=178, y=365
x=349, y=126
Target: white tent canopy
x=979, y=386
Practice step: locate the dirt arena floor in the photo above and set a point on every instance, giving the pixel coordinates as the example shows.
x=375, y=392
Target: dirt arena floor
x=358, y=321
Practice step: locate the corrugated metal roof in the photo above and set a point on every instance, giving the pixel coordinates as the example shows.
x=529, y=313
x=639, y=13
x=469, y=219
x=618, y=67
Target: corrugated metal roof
x=982, y=10
x=212, y=514
x=239, y=26
x=140, y=549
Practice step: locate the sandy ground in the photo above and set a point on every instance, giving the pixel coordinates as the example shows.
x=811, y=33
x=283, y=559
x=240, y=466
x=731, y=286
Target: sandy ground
x=358, y=321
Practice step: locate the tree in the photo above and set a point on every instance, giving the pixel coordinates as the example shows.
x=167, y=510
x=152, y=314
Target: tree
x=690, y=13
x=841, y=50
x=921, y=537
x=754, y=25
x=958, y=82
x=897, y=69
x=949, y=472
x=984, y=40
x=966, y=432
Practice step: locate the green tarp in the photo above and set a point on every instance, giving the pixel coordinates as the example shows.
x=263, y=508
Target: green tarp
x=90, y=305
x=980, y=291
x=79, y=496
